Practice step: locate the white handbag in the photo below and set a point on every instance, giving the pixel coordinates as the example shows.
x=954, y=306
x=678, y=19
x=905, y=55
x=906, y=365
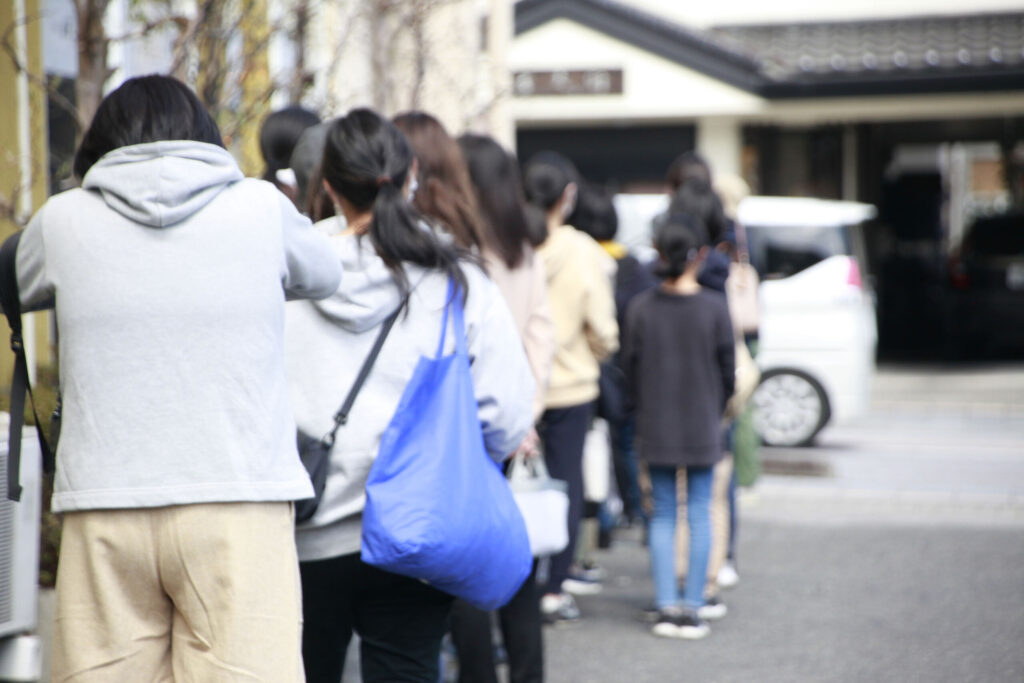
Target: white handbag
x=597, y=462
x=543, y=502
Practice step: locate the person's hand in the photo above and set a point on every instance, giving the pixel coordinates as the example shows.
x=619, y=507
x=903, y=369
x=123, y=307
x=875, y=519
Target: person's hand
x=530, y=447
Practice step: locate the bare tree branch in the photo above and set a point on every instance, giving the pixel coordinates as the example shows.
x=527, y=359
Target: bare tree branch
x=39, y=81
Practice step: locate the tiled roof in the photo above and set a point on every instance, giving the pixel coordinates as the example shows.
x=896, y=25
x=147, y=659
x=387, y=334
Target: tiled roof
x=800, y=52
x=980, y=52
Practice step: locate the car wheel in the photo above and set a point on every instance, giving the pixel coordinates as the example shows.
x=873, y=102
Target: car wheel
x=790, y=408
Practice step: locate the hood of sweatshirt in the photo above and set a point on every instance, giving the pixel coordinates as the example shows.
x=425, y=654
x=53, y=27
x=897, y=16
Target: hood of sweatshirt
x=368, y=293
x=160, y=184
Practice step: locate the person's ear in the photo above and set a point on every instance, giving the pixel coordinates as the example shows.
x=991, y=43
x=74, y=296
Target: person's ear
x=569, y=195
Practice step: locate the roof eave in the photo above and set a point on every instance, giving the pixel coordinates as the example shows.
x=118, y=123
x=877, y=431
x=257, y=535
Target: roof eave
x=606, y=18
x=964, y=81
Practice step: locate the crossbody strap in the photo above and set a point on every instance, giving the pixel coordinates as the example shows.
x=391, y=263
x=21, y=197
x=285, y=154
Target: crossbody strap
x=341, y=417
x=20, y=385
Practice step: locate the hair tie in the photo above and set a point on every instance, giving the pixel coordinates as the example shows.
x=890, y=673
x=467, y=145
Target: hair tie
x=383, y=179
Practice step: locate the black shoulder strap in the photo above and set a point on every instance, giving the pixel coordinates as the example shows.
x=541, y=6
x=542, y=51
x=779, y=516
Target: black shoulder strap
x=11, y=302
x=341, y=417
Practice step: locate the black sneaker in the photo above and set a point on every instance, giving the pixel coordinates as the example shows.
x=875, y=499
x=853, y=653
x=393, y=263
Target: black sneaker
x=679, y=623
x=650, y=614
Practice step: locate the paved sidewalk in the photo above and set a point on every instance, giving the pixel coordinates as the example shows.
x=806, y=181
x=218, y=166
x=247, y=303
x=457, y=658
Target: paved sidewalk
x=825, y=599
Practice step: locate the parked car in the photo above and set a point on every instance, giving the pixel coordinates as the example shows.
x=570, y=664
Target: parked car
x=817, y=332
x=986, y=311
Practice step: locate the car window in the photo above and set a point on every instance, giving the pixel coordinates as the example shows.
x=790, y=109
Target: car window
x=997, y=236
x=781, y=251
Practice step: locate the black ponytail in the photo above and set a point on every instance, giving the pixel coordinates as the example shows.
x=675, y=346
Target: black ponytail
x=678, y=243
x=697, y=198
x=366, y=161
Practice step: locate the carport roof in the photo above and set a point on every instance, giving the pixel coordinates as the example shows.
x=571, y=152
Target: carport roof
x=914, y=55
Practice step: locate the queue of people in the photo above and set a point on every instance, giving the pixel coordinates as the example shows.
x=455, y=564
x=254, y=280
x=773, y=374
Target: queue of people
x=185, y=375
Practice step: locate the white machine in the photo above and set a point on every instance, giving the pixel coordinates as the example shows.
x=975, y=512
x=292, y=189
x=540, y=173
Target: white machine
x=20, y=647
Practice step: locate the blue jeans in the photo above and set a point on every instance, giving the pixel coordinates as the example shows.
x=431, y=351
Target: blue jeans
x=663, y=535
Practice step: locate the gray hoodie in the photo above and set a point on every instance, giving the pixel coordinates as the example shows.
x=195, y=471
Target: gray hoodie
x=170, y=273
x=326, y=343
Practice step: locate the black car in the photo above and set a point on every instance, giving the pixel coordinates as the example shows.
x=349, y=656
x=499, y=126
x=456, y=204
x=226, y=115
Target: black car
x=986, y=276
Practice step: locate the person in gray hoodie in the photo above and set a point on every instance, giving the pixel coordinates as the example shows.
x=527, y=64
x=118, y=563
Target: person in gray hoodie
x=390, y=256
x=177, y=463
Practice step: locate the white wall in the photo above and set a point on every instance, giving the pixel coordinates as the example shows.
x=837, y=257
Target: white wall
x=654, y=89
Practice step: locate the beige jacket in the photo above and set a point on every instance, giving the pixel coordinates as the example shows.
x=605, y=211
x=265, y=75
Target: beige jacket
x=526, y=292
x=583, y=310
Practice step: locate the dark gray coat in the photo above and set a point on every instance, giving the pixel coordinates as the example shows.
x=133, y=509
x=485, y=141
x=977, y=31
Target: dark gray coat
x=678, y=356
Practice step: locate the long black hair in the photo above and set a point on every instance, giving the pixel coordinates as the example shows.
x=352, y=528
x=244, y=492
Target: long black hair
x=697, y=198
x=499, y=194
x=366, y=161
x=595, y=213
x=678, y=243
x=279, y=134
x=145, y=109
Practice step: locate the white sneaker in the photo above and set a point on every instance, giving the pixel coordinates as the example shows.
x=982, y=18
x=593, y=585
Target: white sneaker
x=559, y=609
x=727, y=576
x=712, y=609
x=581, y=587
x=675, y=623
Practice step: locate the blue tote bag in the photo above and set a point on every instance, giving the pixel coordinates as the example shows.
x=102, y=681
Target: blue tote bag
x=438, y=508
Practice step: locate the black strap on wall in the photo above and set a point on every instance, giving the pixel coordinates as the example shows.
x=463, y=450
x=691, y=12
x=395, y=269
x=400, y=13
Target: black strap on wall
x=20, y=385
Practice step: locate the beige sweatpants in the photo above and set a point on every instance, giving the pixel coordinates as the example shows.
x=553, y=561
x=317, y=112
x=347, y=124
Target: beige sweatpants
x=719, y=523
x=205, y=593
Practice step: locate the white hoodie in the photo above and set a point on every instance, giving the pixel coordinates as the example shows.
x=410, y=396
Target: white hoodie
x=170, y=273
x=326, y=343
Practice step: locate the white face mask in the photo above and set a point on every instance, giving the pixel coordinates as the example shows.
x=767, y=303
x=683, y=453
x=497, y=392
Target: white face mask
x=413, y=186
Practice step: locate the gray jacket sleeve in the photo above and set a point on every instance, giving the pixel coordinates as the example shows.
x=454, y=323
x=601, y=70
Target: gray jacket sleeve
x=502, y=378
x=312, y=270
x=35, y=288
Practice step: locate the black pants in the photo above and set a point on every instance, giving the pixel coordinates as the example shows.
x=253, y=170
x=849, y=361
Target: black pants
x=520, y=630
x=563, y=431
x=400, y=622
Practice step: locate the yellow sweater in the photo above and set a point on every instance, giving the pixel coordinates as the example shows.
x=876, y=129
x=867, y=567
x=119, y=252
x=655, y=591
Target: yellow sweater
x=583, y=310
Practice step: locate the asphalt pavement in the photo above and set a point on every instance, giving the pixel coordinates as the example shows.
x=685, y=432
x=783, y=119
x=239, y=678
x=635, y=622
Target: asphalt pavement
x=892, y=550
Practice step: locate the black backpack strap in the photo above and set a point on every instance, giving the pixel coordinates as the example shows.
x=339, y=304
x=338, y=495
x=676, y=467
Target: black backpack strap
x=20, y=386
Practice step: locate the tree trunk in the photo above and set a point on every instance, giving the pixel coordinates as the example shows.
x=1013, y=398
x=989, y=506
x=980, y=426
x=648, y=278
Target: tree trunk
x=92, y=58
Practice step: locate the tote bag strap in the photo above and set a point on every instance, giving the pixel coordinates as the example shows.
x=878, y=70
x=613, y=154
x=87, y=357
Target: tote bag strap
x=341, y=417
x=452, y=303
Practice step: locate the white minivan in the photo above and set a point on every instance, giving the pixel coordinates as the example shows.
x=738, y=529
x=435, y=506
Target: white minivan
x=818, y=333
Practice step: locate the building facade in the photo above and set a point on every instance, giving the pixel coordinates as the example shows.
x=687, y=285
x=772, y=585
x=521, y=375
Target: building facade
x=917, y=108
